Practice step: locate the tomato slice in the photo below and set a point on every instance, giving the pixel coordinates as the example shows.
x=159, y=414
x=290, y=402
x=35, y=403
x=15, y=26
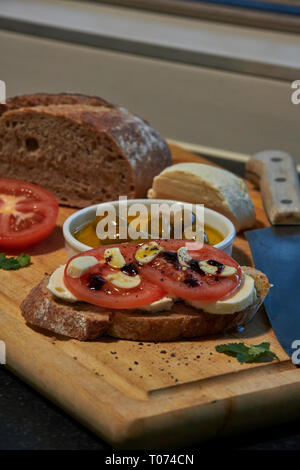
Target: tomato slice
x=28, y=213
x=108, y=295
x=190, y=284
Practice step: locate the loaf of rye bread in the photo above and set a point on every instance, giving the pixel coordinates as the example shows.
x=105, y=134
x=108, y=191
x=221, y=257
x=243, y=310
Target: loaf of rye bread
x=83, y=149
x=86, y=322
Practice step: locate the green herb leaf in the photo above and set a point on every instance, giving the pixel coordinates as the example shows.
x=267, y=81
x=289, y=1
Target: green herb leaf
x=254, y=353
x=23, y=260
x=13, y=263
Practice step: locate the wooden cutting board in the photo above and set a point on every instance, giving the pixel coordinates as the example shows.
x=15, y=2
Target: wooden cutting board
x=146, y=395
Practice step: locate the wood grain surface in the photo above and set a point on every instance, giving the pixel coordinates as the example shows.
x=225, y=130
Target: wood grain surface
x=147, y=395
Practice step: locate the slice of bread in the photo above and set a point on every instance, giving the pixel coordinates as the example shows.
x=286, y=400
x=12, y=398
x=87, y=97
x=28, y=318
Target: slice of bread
x=82, y=149
x=84, y=321
x=216, y=188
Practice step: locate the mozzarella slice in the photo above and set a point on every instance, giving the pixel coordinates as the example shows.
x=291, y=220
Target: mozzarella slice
x=166, y=303
x=57, y=286
x=78, y=266
x=114, y=257
x=124, y=281
x=147, y=252
x=242, y=299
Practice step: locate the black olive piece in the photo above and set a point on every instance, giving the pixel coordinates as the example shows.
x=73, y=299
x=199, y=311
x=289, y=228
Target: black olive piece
x=130, y=269
x=96, y=282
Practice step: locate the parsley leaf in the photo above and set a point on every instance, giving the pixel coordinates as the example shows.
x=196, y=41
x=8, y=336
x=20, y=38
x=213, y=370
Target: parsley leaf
x=254, y=353
x=23, y=260
x=13, y=263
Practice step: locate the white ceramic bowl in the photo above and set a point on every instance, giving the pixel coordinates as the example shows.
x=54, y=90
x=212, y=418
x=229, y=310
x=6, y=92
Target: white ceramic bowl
x=82, y=217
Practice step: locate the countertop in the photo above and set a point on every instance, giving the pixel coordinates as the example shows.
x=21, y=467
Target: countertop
x=28, y=421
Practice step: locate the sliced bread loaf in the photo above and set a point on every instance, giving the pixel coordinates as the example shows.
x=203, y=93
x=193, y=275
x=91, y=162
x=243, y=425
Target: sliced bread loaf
x=84, y=321
x=214, y=187
x=83, y=149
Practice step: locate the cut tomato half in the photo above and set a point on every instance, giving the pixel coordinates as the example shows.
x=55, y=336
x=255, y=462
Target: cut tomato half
x=28, y=213
x=166, y=272
x=107, y=294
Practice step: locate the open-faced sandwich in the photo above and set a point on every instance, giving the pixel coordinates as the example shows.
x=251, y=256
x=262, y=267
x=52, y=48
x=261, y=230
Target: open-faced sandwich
x=161, y=290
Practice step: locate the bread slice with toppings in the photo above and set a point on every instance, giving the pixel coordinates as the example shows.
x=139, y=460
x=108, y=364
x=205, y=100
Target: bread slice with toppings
x=83, y=149
x=86, y=322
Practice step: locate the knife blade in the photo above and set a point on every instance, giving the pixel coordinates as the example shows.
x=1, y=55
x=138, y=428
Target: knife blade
x=276, y=249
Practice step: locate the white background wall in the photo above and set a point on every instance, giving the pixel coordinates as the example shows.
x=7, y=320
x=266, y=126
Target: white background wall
x=230, y=111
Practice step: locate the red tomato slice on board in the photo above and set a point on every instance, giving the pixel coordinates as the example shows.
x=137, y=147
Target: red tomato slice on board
x=165, y=271
x=28, y=213
x=94, y=288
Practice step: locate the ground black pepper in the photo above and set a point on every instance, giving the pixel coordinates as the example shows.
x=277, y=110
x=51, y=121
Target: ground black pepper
x=191, y=281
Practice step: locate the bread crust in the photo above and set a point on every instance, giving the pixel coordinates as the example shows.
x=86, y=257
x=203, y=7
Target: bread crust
x=128, y=141
x=83, y=321
x=46, y=99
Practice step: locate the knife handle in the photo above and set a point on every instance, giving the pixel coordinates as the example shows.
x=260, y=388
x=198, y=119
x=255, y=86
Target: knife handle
x=275, y=173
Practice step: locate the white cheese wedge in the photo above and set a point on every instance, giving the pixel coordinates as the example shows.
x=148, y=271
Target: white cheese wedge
x=245, y=297
x=57, y=286
x=124, y=281
x=114, y=257
x=147, y=252
x=78, y=266
x=217, y=189
x=166, y=303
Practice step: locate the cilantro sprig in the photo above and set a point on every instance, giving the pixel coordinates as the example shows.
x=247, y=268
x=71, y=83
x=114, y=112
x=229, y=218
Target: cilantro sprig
x=14, y=263
x=253, y=353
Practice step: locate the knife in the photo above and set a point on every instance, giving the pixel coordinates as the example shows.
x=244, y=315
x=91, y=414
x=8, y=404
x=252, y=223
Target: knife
x=276, y=249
